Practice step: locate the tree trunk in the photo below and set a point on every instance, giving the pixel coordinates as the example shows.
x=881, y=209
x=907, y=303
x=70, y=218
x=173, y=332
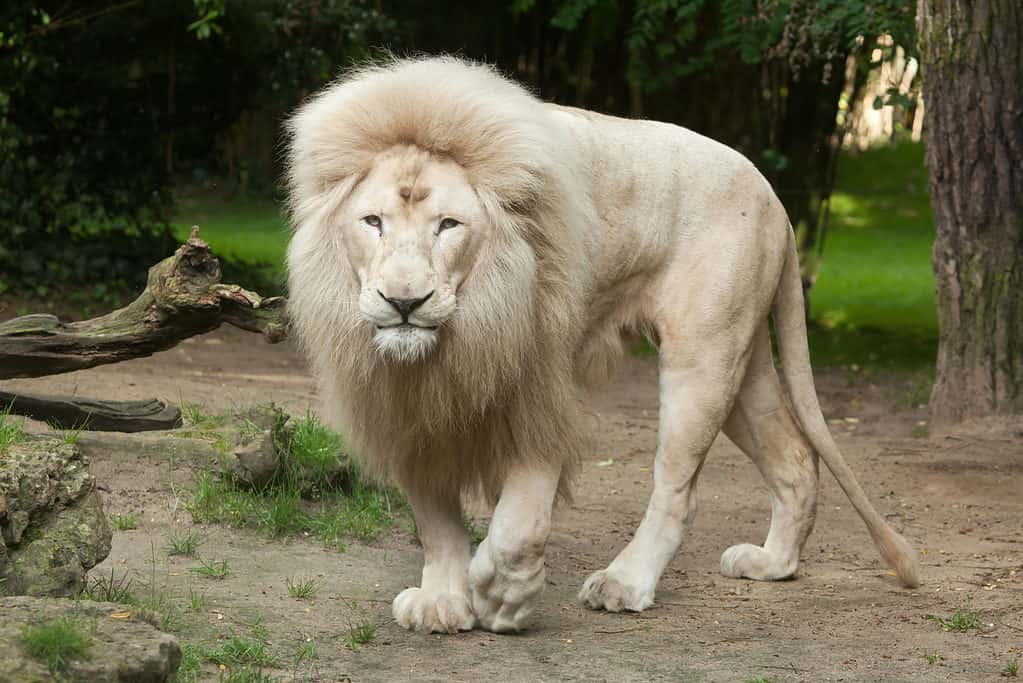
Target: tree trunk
x=973, y=95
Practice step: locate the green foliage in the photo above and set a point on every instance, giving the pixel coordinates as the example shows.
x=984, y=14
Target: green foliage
x=109, y=589
x=212, y=569
x=184, y=543
x=965, y=618
x=11, y=429
x=302, y=590
x=339, y=510
x=125, y=522
x=57, y=643
x=360, y=634
x=874, y=304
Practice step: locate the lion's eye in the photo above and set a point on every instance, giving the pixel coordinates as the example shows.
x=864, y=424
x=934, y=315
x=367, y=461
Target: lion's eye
x=372, y=221
x=447, y=224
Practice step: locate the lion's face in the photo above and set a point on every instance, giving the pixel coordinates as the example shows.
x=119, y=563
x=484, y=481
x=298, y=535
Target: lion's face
x=412, y=230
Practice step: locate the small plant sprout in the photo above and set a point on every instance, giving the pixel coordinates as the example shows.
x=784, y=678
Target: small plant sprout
x=212, y=569
x=933, y=657
x=306, y=651
x=965, y=618
x=360, y=634
x=1011, y=669
x=301, y=590
x=197, y=601
x=184, y=543
x=125, y=522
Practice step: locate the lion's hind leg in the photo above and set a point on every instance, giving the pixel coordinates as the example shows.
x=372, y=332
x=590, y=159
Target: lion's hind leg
x=763, y=427
x=697, y=386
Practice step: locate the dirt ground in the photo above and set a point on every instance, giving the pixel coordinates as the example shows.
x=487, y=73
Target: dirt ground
x=957, y=498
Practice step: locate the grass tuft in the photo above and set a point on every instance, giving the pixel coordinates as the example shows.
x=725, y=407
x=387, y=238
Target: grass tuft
x=57, y=643
x=212, y=569
x=109, y=589
x=238, y=650
x=184, y=543
x=933, y=657
x=125, y=522
x=302, y=590
x=1011, y=669
x=360, y=634
x=11, y=429
x=965, y=618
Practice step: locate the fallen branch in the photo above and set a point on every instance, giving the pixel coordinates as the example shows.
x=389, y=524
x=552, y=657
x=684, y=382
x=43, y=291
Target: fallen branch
x=75, y=412
x=183, y=298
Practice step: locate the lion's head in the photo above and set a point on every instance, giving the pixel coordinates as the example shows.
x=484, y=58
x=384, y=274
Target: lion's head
x=411, y=231
x=433, y=270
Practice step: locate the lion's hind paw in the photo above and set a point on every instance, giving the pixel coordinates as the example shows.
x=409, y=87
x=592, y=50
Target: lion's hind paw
x=422, y=610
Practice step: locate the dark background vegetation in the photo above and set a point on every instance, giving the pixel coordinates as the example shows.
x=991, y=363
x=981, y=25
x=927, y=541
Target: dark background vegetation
x=122, y=123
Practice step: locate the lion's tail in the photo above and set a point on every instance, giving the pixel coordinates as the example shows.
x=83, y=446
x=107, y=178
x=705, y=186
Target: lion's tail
x=790, y=327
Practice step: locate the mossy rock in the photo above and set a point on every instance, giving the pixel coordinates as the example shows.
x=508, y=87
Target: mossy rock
x=51, y=519
x=123, y=646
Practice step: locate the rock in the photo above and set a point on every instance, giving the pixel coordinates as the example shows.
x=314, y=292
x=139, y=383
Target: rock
x=125, y=648
x=51, y=519
x=253, y=463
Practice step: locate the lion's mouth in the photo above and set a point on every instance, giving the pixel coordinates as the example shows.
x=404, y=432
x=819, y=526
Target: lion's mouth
x=406, y=326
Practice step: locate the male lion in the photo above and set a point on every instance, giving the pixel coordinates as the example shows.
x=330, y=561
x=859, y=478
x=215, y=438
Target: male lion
x=465, y=259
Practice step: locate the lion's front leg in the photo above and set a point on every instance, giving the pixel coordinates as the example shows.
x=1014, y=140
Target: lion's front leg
x=441, y=604
x=507, y=573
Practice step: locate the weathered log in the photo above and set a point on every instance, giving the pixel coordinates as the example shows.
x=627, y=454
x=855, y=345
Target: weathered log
x=183, y=298
x=78, y=412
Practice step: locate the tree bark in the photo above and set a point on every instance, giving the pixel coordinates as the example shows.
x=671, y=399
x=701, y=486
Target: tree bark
x=973, y=127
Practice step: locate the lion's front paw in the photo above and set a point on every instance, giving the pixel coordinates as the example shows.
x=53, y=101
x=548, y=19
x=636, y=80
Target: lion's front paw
x=608, y=591
x=503, y=598
x=422, y=610
x=753, y=562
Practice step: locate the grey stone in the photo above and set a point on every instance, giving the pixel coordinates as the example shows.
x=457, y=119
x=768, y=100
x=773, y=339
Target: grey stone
x=125, y=648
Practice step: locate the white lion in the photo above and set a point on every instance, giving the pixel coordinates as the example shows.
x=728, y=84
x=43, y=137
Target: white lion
x=464, y=262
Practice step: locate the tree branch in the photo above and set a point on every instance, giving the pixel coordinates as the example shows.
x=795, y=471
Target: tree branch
x=183, y=298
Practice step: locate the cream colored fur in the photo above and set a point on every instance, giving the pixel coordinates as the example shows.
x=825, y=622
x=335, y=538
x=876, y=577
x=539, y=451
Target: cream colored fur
x=531, y=237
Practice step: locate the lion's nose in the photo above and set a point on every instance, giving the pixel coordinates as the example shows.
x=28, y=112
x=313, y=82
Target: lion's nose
x=405, y=306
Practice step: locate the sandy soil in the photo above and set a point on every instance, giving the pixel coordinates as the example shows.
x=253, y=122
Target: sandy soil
x=958, y=498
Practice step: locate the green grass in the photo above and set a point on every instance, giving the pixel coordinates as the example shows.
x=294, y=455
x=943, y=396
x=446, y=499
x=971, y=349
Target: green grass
x=965, y=618
x=109, y=589
x=933, y=657
x=125, y=522
x=184, y=543
x=251, y=233
x=301, y=590
x=11, y=429
x=212, y=569
x=874, y=302
x=354, y=509
x=1011, y=668
x=57, y=643
x=237, y=650
x=360, y=634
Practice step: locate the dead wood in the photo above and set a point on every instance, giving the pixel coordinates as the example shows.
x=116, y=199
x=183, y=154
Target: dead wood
x=183, y=298
x=78, y=412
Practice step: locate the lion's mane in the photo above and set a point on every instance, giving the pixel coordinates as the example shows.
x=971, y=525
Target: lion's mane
x=500, y=386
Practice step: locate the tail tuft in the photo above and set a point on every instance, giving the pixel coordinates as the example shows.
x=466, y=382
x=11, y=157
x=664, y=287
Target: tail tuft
x=899, y=555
